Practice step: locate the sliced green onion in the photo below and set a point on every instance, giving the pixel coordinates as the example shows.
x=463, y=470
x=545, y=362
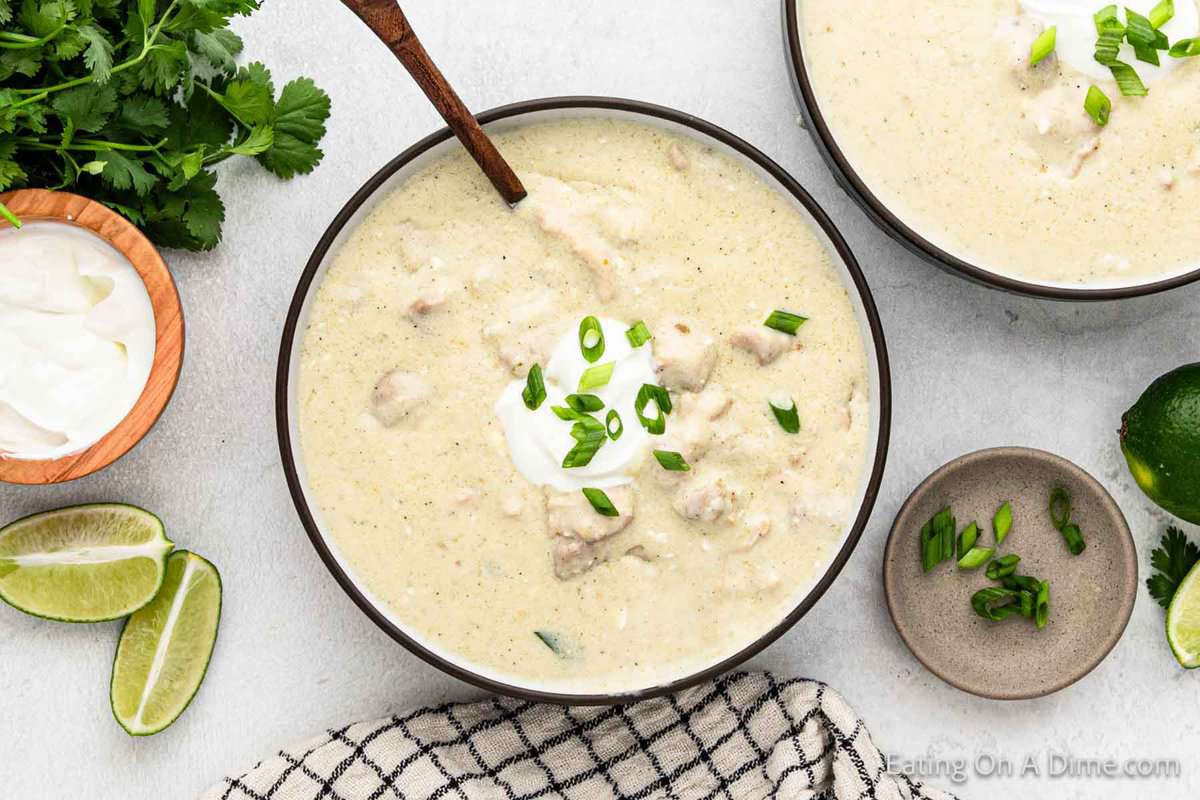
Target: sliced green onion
x=672, y=462
x=937, y=539
x=1028, y=603
x=584, y=402
x=1042, y=613
x=591, y=339
x=601, y=503
x=1098, y=106
x=1021, y=583
x=590, y=435
x=535, y=389
x=595, y=377
x=786, y=415
x=1108, y=47
x=976, y=557
x=1060, y=507
x=1074, y=538
x=785, y=321
x=614, y=432
x=1002, y=522
x=1162, y=13
x=1002, y=567
x=661, y=399
x=12, y=218
x=1108, y=21
x=1185, y=48
x=996, y=604
x=638, y=335
x=552, y=641
x=1139, y=31
x=567, y=414
x=1146, y=54
x=1043, y=45
x=967, y=539
x=1128, y=81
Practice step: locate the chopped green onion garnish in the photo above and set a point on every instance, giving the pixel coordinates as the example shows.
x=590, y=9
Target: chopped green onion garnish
x=1060, y=507
x=1098, y=106
x=967, y=539
x=1002, y=567
x=601, y=503
x=785, y=321
x=591, y=339
x=937, y=539
x=1140, y=32
x=12, y=218
x=1185, y=48
x=784, y=409
x=976, y=557
x=614, y=425
x=661, y=399
x=1021, y=583
x=1162, y=13
x=1128, y=81
x=1108, y=47
x=568, y=414
x=1043, y=45
x=638, y=335
x=1002, y=522
x=595, y=377
x=535, y=389
x=670, y=461
x=590, y=435
x=552, y=641
x=585, y=402
x=1074, y=538
x=1042, y=613
x=1108, y=21
x=1028, y=601
x=996, y=604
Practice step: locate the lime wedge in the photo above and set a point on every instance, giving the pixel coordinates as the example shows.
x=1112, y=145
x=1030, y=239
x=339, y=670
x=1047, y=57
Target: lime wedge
x=165, y=647
x=83, y=563
x=1183, y=621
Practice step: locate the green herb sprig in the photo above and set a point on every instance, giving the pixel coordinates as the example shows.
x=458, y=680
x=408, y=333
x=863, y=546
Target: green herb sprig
x=1172, y=560
x=134, y=102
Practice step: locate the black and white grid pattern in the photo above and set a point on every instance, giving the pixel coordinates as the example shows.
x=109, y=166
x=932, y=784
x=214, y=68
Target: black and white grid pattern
x=743, y=737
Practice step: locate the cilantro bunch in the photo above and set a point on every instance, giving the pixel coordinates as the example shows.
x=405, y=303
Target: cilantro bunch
x=133, y=102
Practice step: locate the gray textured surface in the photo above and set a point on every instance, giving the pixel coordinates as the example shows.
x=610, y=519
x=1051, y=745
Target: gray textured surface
x=973, y=368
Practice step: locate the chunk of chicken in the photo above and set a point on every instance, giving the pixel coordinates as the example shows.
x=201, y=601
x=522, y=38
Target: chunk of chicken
x=686, y=356
x=765, y=344
x=692, y=428
x=570, y=514
x=677, y=157
x=526, y=337
x=428, y=289
x=706, y=500
x=1061, y=132
x=591, y=220
x=397, y=395
x=573, y=557
x=753, y=529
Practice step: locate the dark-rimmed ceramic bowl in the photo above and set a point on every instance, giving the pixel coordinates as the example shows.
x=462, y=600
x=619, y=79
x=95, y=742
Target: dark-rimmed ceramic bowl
x=442, y=142
x=853, y=184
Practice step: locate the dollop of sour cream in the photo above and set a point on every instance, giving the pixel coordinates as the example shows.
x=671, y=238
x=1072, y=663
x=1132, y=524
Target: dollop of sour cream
x=1076, y=34
x=538, y=440
x=77, y=339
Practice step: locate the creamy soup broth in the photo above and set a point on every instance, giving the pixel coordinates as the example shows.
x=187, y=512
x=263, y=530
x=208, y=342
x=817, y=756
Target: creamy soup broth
x=443, y=297
x=936, y=107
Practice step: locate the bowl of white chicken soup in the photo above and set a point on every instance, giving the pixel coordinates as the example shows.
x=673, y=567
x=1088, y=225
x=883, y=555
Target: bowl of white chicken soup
x=601, y=445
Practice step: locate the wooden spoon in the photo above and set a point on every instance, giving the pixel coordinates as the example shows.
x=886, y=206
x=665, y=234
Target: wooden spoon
x=388, y=22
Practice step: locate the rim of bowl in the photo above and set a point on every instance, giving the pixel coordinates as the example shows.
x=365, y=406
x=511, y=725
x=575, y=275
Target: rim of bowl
x=45, y=205
x=1124, y=612
x=705, y=129
x=850, y=181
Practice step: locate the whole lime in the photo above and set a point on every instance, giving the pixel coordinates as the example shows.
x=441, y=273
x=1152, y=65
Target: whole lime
x=1160, y=437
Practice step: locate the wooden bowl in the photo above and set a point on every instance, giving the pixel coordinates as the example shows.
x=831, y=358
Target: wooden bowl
x=33, y=205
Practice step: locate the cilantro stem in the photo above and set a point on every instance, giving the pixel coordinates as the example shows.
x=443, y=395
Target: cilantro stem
x=19, y=41
x=88, y=144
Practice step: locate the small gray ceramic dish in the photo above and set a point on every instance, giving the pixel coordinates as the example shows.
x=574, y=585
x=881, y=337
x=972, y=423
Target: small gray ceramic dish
x=1091, y=595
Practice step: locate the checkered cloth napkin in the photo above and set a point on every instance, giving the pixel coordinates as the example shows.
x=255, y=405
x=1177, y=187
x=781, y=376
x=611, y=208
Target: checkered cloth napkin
x=742, y=737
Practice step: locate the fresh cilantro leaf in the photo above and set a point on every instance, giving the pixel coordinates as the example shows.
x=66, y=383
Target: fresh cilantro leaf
x=299, y=124
x=11, y=173
x=164, y=67
x=20, y=62
x=189, y=218
x=143, y=112
x=1172, y=560
x=99, y=54
x=249, y=101
x=87, y=107
x=260, y=139
x=201, y=122
x=121, y=172
x=218, y=47
x=256, y=72
x=45, y=18
x=5, y=12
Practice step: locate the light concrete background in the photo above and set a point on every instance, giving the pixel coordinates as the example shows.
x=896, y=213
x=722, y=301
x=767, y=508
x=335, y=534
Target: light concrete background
x=973, y=368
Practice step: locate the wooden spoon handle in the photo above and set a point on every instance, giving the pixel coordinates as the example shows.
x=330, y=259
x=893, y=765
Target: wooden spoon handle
x=388, y=22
